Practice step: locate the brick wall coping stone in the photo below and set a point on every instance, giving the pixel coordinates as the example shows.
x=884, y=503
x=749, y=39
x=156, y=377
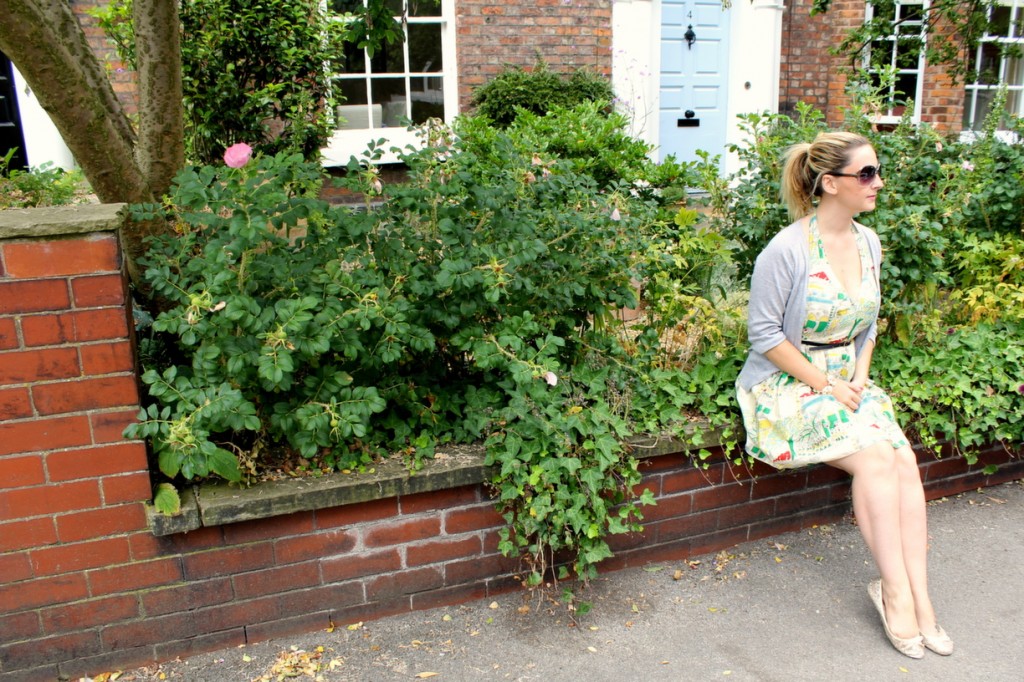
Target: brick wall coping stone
x=217, y=503
x=54, y=221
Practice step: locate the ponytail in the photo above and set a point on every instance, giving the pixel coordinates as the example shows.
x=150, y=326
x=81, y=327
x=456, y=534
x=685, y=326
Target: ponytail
x=805, y=163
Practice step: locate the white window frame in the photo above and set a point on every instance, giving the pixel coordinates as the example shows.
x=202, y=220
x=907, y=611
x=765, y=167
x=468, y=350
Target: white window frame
x=348, y=142
x=890, y=116
x=975, y=91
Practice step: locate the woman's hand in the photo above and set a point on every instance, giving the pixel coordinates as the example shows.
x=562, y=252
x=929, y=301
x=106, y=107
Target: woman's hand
x=848, y=393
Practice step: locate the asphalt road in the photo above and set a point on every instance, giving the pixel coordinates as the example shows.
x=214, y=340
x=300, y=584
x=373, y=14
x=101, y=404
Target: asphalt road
x=791, y=607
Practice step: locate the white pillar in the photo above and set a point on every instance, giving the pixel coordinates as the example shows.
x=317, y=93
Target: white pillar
x=43, y=144
x=635, y=65
x=755, y=52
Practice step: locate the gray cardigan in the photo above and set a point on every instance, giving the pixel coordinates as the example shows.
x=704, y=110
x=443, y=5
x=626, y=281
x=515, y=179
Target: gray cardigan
x=777, y=310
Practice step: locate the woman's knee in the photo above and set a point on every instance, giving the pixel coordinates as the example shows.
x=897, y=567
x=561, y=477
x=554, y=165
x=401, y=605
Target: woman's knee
x=906, y=462
x=879, y=459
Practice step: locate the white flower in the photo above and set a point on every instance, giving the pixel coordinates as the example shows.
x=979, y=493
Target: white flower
x=551, y=378
x=615, y=214
x=967, y=166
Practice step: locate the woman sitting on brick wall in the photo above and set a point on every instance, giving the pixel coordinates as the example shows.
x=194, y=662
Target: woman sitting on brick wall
x=805, y=390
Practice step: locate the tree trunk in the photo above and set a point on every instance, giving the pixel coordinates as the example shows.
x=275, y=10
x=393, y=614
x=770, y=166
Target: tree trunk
x=161, y=149
x=45, y=41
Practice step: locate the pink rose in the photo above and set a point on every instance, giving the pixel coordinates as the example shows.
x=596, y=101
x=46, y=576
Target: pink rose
x=237, y=155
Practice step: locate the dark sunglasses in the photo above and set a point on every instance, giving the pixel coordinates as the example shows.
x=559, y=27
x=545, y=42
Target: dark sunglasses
x=865, y=176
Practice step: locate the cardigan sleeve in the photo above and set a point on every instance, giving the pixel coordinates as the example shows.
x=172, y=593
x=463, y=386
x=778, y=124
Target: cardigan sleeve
x=771, y=286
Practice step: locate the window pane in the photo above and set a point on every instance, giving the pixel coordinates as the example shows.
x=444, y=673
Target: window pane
x=911, y=11
x=351, y=60
x=353, y=90
x=425, y=47
x=344, y=6
x=389, y=93
x=999, y=25
x=389, y=59
x=424, y=8
x=1013, y=100
x=353, y=111
x=427, y=98
x=908, y=53
x=1014, y=71
x=884, y=11
x=881, y=53
x=988, y=64
x=984, y=105
x=906, y=88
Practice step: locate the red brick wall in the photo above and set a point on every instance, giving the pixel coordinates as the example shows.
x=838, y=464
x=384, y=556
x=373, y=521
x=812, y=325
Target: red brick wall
x=85, y=587
x=568, y=34
x=810, y=74
x=121, y=78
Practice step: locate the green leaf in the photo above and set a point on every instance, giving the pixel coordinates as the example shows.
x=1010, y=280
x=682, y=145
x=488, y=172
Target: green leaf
x=166, y=499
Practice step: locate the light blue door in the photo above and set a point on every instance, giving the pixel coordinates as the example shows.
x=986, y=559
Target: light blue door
x=694, y=70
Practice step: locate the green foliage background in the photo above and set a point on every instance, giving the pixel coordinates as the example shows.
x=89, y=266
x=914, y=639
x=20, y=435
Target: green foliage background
x=476, y=302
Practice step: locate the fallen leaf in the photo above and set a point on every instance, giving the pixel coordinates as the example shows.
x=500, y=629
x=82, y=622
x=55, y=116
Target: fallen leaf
x=664, y=662
x=247, y=658
x=778, y=560
x=493, y=605
x=677, y=575
x=446, y=618
x=903, y=670
x=654, y=569
x=525, y=608
x=591, y=649
x=594, y=627
x=422, y=676
x=355, y=626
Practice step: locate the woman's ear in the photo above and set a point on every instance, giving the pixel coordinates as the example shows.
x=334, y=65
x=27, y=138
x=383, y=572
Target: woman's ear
x=829, y=184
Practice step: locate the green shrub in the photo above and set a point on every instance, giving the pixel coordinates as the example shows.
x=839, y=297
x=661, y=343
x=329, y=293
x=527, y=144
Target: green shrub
x=42, y=186
x=538, y=91
x=959, y=385
x=472, y=303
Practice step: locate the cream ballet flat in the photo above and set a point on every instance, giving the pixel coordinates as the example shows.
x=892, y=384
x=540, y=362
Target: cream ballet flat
x=940, y=643
x=911, y=646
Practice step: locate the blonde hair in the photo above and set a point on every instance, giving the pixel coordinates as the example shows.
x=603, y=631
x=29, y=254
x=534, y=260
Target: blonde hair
x=805, y=163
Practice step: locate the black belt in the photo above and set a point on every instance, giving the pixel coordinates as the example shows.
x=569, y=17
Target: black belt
x=822, y=346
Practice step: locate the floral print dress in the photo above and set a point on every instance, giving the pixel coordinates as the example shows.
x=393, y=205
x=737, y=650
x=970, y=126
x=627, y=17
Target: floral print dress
x=789, y=425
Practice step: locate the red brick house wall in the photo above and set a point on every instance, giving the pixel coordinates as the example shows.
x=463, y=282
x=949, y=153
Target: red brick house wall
x=567, y=34
x=809, y=73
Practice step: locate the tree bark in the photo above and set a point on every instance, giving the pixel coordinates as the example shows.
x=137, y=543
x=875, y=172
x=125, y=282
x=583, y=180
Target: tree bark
x=161, y=150
x=45, y=41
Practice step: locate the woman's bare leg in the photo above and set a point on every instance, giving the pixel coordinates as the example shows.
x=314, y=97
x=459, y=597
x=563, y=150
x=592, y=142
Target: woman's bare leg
x=914, y=532
x=878, y=506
